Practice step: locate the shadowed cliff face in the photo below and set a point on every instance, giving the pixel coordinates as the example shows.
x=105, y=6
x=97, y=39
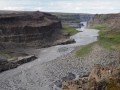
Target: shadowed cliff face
x=27, y=27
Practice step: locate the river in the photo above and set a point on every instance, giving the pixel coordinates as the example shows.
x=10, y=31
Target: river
x=31, y=76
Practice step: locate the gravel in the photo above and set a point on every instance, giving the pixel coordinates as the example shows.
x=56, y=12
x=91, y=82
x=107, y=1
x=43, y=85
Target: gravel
x=50, y=75
x=55, y=65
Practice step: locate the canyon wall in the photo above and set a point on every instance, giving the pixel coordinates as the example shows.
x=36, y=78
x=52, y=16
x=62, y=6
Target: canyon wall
x=73, y=19
x=110, y=20
x=27, y=27
x=86, y=17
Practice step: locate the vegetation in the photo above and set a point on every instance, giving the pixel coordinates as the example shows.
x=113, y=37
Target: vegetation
x=105, y=17
x=70, y=30
x=9, y=56
x=112, y=84
x=102, y=27
x=84, y=50
x=108, y=38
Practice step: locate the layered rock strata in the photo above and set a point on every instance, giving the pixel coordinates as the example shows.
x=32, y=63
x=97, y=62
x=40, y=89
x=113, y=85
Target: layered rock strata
x=28, y=27
x=13, y=63
x=110, y=20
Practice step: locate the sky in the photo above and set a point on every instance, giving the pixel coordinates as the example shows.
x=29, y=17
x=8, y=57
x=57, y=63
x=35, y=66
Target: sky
x=69, y=6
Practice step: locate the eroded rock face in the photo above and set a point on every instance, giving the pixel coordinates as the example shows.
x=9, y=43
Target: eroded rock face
x=13, y=63
x=100, y=72
x=28, y=27
x=5, y=65
x=101, y=78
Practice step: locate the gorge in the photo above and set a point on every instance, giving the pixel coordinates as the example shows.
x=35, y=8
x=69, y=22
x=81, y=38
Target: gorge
x=57, y=64
x=16, y=78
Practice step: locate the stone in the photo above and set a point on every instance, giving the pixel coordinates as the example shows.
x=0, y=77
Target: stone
x=63, y=42
x=96, y=80
x=13, y=63
x=70, y=76
x=58, y=83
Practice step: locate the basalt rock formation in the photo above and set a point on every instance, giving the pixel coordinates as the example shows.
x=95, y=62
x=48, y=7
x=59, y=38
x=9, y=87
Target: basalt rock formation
x=20, y=30
x=27, y=27
x=13, y=63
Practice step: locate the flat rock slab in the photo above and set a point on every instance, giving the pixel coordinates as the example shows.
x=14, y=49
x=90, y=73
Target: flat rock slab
x=13, y=63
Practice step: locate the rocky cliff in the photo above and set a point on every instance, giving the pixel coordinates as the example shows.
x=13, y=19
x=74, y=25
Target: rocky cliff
x=86, y=17
x=19, y=30
x=27, y=27
x=110, y=20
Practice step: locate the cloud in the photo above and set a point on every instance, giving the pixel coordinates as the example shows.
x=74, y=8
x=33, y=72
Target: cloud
x=75, y=6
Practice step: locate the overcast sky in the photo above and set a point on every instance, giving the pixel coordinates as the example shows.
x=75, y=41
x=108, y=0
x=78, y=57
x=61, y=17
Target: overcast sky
x=73, y=6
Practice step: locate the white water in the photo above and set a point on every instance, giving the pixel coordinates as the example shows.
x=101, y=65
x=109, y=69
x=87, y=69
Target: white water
x=16, y=79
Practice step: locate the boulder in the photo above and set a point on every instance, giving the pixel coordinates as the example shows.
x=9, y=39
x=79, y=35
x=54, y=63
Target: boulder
x=100, y=78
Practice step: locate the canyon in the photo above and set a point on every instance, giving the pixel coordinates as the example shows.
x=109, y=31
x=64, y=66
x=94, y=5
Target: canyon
x=56, y=67
x=73, y=19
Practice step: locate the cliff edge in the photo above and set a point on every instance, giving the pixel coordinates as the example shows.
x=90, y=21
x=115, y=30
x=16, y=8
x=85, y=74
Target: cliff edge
x=24, y=28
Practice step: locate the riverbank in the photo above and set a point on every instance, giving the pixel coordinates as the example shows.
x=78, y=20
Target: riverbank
x=9, y=58
x=32, y=75
x=49, y=75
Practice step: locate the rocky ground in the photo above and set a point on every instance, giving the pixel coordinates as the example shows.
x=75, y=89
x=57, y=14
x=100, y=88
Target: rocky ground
x=101, y=78
x=69, y=67
x=50, y=75
x=48, y=72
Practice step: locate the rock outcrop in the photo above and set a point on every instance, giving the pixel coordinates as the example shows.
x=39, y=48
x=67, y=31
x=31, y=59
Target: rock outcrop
x=13, y=63
x=101, y=78
x=63, y=42
x=5, y=65
x=27, y=27
x=100, y=72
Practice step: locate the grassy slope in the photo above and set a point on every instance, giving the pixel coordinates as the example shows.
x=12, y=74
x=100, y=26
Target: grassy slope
x=84, y=50
x=107, y=38
x=69, y=30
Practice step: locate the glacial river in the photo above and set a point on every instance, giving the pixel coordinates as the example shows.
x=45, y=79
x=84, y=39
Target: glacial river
x=30, y=76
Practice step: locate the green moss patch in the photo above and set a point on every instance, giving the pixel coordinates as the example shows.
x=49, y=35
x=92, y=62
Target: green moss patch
x=9, y=56
x=84, y=50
